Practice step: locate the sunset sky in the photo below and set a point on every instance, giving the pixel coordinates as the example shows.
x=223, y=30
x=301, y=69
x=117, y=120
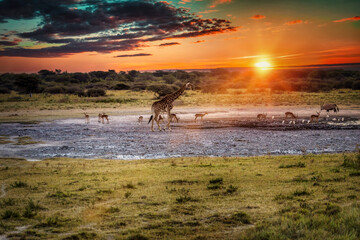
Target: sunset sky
x=88, y=35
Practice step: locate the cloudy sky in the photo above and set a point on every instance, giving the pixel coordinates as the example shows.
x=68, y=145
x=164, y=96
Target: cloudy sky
x=87, y=35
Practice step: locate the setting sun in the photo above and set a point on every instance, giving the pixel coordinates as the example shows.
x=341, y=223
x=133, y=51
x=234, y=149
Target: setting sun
x=263, y=65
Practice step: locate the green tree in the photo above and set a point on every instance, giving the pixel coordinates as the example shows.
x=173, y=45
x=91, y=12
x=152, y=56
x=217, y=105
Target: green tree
x=27, y=83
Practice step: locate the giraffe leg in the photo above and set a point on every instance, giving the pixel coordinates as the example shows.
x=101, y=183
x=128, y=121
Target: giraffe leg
x=156, y=118
x=152, y=123
x=169, y=119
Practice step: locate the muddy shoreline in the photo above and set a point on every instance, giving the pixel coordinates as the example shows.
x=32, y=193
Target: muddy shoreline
x=126, y=139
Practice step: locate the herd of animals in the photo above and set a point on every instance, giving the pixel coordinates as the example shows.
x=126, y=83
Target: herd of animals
x=165, y=105
x=313, y=118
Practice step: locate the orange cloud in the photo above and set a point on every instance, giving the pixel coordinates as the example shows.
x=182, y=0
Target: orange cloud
x=294, y=22
x=258, y=16
x=217, y=2
x=356, y=18
x=209, y=11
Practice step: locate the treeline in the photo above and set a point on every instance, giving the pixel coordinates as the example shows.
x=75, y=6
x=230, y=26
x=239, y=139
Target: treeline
x=96, y=83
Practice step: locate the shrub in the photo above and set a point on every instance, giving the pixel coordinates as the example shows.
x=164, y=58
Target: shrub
x=160, y=90
x=10, y=214
x=4, y=90
x=242, y=217
x=121, y=86
x=95, y=93
x=19, y=184
x=137, y=237
x=216, y=181
x=54, y=90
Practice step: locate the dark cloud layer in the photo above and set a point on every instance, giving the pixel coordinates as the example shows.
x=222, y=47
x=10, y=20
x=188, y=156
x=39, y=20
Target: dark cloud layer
x=135, y=55
x=168, y=44
x=103, y=26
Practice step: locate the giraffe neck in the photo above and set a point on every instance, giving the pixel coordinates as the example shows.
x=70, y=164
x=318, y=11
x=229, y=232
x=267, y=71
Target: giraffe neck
x=173, y=96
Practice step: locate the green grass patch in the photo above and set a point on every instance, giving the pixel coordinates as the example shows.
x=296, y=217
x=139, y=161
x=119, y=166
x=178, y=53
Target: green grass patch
x=76, y=198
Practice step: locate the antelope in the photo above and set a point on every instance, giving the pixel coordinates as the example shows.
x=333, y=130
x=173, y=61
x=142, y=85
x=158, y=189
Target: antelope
x=161, y=118
x=140, y=119
x=315, y=117
x=261, y=116
x=172, y=116
x=87, y=118
x=200, y=115
x=102, y=116
x=329, y=107
x=290, y=115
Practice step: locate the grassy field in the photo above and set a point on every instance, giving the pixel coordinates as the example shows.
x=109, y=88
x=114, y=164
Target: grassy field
x=19, y=108
x=268, y=197
x=117, y=99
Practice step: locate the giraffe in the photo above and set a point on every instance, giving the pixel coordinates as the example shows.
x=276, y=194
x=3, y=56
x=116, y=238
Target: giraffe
x=165, y=105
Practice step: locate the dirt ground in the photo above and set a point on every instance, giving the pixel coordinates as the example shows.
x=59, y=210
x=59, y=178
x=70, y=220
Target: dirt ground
x=223, y=132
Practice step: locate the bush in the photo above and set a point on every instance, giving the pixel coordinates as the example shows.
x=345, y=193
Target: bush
x=161, y=90
x=4, y=90
x=95, y=93
x=121, y=86
x=54, y=90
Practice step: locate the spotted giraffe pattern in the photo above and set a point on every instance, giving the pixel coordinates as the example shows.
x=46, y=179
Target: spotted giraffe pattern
x=165, y=105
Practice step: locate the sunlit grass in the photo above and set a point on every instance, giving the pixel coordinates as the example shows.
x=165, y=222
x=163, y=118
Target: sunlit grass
x=15, y=107
x=181, y=198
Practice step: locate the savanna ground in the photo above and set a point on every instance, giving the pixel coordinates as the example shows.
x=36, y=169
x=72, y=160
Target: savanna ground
x=266, y=197
x=40, y=107
x=282, y=197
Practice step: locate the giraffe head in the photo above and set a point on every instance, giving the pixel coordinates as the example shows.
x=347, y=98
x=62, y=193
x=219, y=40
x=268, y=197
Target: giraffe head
x=189, y=85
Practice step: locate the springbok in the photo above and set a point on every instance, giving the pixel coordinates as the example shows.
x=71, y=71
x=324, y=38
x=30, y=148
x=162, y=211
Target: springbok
x=102, y=116
x=87, y=118
x=200, y=115
x=329, y=107
x=315, y=117
x=173, y=116
x=261, y=116
x=290, y=115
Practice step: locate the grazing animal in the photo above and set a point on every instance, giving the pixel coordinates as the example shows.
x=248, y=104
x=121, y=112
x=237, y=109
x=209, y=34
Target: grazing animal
x=261, y=116
x=200, y=115
x=141, y=118
x=87, y=118
x=329, y=107
x=173, y=116
x=315, y=117
x=283, y=121
x=290, y=115
x=161, y=118
x=103, y=116
x=272, y=117
x=308, y=121
x=342, y=119
x=165, y=105
x=303, y=121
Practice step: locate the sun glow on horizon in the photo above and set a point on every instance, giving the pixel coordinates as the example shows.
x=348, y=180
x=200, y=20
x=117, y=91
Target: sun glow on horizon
x=263, y=65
